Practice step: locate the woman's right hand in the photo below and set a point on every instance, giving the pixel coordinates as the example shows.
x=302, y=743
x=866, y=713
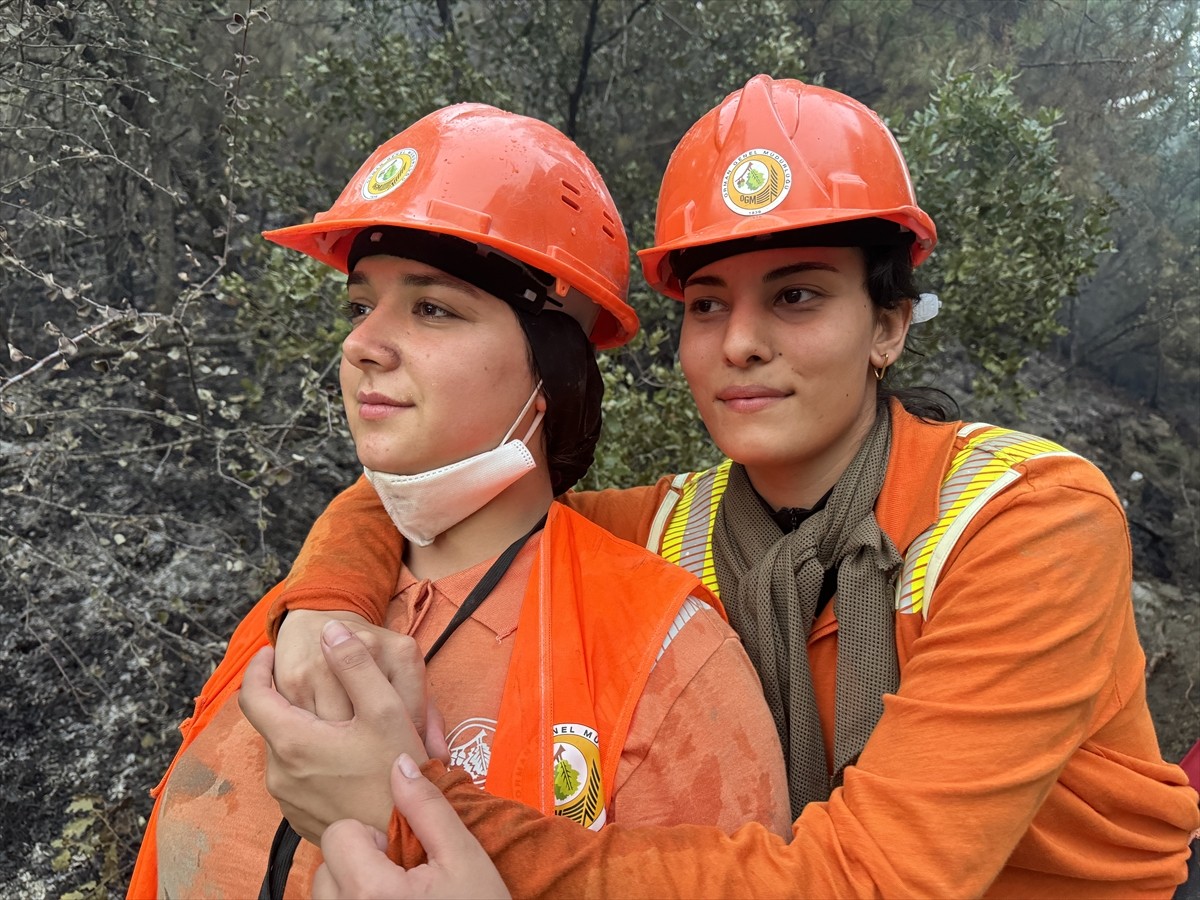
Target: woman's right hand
x=321, y=770
x=301, y=674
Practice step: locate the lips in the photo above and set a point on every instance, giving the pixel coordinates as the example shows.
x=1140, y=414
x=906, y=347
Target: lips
x=373, y=405
x=750, y=397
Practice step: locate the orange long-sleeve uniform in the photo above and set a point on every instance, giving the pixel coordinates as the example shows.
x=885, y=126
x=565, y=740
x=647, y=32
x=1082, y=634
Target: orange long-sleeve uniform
x=1017, y=758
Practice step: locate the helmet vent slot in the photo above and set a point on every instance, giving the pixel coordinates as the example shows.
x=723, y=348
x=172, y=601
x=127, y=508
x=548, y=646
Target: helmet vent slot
x=570, y=187
x=611, y=234
x=570, y=202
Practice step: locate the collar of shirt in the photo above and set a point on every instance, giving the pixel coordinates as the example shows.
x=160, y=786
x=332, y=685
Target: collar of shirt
x=416, y=597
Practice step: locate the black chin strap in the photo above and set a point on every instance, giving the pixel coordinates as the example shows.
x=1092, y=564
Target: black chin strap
x=287, y=841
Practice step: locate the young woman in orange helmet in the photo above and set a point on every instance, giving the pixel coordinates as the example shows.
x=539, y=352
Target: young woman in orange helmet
x=939, y=611
x=485, y=262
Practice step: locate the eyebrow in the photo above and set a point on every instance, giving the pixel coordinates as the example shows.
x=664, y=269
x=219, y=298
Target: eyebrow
x=414, y=280
x=773, y=275
x=785, y=271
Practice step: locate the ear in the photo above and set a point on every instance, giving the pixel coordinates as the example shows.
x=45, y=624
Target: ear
x=891, y=330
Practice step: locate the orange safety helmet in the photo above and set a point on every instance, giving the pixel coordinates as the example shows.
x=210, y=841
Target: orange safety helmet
x=779, y=156
x=504, y=181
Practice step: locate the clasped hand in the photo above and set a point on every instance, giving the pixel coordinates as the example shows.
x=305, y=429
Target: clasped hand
x=331, y=758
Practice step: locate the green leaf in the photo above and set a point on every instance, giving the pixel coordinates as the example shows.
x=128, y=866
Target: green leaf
x=566, y=779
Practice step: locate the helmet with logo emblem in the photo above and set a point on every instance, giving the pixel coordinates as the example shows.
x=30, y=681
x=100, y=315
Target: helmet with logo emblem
x=777, y=156
x=496, y=181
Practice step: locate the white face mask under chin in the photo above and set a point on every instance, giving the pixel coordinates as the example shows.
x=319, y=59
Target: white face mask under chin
x=423, y=506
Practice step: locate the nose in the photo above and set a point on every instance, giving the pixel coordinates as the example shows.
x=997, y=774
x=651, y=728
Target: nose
x=747, y=338
x=374, y=342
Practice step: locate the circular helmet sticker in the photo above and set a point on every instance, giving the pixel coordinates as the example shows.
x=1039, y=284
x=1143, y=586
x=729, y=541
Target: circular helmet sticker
x=389, y=173
x=756, y=182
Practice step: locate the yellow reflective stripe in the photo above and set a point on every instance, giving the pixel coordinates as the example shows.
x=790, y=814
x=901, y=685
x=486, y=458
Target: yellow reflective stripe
x=687, y=539
x=968, y=475
x=980, y=470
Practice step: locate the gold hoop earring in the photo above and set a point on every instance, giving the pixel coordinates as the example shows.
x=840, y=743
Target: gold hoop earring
x=879, y=372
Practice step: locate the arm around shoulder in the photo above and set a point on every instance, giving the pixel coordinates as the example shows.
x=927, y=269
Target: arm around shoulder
x=349, y=560
x=628, y=512
x=1000, y=689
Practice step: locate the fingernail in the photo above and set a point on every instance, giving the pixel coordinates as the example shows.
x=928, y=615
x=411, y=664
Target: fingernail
x=334, y=633
x=406, y=765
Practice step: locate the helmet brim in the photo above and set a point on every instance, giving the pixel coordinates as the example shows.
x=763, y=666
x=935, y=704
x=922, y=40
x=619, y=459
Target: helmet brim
x=656, y=263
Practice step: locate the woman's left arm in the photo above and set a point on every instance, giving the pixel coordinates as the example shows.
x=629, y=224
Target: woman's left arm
x=1028, y=650
x=1029, y=647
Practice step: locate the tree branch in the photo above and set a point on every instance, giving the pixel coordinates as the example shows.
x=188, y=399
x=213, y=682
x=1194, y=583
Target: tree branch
x=446, y=15
x=1077, y=62
x=122, y=316
x=608, y=38
x=589, y=36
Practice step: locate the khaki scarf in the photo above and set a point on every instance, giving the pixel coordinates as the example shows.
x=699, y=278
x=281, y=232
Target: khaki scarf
x=770, y=583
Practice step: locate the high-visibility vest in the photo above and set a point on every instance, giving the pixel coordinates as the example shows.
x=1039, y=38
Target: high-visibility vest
x=682, y=530
x=597, y=615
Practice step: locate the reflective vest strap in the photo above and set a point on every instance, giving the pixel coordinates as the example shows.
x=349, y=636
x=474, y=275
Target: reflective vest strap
x=665, y=508
x=984, y=467
x=683, y=526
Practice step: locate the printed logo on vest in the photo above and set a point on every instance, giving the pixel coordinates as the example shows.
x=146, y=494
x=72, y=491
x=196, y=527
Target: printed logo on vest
x=756, y=182
x=578, y=792
x=471, y=747
x=389, y=173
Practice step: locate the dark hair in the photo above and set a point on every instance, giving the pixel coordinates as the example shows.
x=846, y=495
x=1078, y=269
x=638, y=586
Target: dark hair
x=890, y=279
x=518, y=285
x=565, y=361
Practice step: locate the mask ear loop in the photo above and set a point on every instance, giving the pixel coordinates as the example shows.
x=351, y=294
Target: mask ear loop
x=537, y=420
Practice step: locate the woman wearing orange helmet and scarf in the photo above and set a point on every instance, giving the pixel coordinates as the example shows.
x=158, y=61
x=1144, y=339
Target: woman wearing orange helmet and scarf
x=939, y=611
x=486, y=263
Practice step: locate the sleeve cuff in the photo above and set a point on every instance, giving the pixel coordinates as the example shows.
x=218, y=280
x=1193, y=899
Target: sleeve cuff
x=321, y=599
x=404, y=848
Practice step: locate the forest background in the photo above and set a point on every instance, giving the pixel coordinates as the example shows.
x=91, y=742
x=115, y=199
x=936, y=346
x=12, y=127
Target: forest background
x=169, y=415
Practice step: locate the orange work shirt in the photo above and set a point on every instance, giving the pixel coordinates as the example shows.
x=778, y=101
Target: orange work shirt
x=685, y=756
